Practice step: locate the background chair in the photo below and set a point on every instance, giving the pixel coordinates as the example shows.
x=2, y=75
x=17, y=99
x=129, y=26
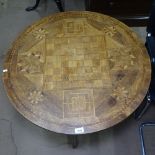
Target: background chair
x=142, y=139
x=150, y=97
x=59, y=3
x=150, y=45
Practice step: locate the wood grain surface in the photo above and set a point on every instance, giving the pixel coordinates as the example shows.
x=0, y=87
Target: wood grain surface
x=77, y=72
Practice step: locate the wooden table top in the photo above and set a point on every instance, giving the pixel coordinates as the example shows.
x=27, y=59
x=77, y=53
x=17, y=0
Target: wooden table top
x=77, y=72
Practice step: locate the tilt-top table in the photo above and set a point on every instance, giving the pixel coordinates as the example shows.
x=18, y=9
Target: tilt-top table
x=77, y=72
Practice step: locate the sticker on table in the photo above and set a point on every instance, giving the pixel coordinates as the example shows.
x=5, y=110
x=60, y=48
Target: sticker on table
x=5, y=70
x=79, y=130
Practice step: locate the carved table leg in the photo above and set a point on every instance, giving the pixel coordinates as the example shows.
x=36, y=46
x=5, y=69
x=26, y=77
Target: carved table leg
x=33, y=7
x=60, y=5
x=73, y=140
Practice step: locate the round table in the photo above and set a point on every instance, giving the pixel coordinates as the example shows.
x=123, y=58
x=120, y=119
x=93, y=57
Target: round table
x=77, y=72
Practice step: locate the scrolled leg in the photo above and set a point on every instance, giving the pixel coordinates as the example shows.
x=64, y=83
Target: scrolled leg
x=31, y=8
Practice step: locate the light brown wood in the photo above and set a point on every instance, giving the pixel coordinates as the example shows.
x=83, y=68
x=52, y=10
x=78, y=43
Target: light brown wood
x=77, y=72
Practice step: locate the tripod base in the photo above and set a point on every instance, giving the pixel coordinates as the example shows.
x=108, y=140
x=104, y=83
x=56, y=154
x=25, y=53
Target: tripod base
x=58, y=2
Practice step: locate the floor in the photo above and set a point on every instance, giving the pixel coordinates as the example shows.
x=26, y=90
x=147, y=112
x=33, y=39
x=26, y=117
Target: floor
x=18, y=136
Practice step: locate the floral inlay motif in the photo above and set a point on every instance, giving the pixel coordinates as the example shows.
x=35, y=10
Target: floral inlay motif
x=40, y=33
x=35, y=97
x=120, y=93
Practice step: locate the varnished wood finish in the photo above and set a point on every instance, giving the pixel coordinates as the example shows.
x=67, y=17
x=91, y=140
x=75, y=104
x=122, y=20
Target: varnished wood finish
x=77, y=71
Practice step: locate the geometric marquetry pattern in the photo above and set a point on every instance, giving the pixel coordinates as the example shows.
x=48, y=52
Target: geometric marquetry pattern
x=77, y=69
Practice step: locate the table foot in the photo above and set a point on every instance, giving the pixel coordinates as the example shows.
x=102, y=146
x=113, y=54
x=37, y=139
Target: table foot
x=73, y=140
x=60, y=5
x=31, y=8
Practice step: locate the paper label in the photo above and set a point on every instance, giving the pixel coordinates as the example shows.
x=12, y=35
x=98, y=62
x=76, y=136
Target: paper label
x=5, y=70
x=79, y=130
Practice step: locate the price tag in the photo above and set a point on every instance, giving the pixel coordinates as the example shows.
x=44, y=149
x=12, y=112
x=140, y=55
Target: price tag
x=5, y=70
x=79, y=130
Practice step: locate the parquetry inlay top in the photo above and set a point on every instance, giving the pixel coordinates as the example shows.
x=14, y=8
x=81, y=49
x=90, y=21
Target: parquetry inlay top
x=77, y=69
